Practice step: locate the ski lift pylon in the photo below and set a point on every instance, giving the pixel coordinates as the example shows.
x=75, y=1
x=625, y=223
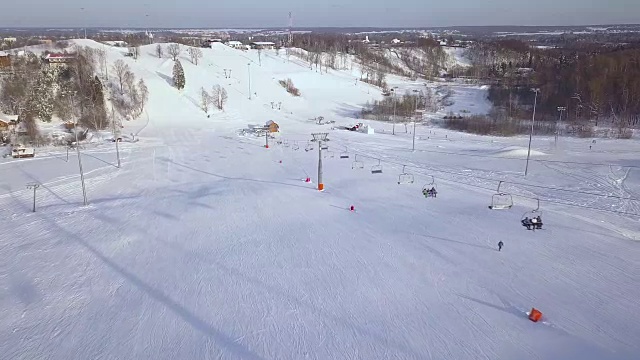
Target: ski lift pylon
x=501, y=200
x=357, y=164
x=404, y=177
x=376, y=169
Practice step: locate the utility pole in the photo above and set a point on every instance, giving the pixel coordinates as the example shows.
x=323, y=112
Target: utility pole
x=560, y=110
x=84, y=189
x=266, y=138
x=394, y=112
x=319, y=138
x=535, y=103
x=115, y=135
x=35, y=187
x=85, y=28
x=249, y=68
x=393, y=91
x=413, y=147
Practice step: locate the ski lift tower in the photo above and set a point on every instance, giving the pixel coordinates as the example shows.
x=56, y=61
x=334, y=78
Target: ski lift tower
x=319, y=138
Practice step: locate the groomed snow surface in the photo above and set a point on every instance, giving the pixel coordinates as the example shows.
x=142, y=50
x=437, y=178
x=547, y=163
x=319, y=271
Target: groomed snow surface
x=206, y=245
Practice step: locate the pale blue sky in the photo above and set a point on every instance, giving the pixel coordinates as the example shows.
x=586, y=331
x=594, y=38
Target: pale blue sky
x=308, y=13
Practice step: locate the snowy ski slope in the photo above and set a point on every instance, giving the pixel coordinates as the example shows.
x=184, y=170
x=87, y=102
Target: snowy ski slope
x=206, y=245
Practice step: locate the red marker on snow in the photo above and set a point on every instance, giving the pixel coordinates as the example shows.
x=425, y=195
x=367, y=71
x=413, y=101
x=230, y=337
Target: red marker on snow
x=352, y=208
x=308, y=180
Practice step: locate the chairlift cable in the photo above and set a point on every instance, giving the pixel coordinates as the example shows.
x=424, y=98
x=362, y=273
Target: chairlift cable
x=550, y=201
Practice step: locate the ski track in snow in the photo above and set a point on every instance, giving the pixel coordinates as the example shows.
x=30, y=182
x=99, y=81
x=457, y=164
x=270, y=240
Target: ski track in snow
x=203, y=245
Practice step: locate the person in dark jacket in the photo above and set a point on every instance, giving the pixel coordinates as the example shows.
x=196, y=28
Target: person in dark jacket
x=500, y=245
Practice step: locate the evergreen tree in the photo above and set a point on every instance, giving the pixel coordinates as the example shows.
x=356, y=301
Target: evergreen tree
x=41, y=95
x=178, y=75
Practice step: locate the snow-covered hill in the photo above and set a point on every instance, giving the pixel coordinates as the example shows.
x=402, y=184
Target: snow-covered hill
x=205, y=244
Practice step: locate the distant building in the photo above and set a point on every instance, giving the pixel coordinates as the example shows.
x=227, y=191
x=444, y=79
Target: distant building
x=396, y=41
x=117, y=43
x=59, y=60
x=5, y=62
x=263, y=45
x=9, y=40
x=272, y=126
x=8, y=122
x=208, y=42
x=235, y=44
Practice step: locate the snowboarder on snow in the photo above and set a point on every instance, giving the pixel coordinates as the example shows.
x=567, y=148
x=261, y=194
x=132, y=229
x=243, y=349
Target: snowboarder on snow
x=500, y=245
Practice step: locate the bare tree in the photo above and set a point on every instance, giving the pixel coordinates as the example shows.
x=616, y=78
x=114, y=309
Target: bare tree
x=195, y=54
x=159, y=51
x=205, y=100
x=174, y=51
x=102, y=59
x=131, y=89
x=144, y=94
x=291, y=89
x=219, y=97
x=121, y=70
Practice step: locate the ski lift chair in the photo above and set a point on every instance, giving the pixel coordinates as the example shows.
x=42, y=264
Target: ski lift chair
x=430, y=189
x=285, y=143
x=309, y=146
x=295, y=145
x=344, y=154
x=357, y=164
x=405, y=178
x=324, y=147
x=328, y=155
x=501, y=200
x=376, y=169
x=532, y=220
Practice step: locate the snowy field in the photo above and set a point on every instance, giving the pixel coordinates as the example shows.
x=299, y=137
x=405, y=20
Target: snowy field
x=206, y=245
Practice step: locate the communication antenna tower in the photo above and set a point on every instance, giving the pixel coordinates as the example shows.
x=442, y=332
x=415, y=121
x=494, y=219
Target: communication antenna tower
x=290, y=39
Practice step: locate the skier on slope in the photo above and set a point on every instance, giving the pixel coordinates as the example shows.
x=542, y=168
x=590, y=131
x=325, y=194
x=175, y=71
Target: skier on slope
x=500, y=245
